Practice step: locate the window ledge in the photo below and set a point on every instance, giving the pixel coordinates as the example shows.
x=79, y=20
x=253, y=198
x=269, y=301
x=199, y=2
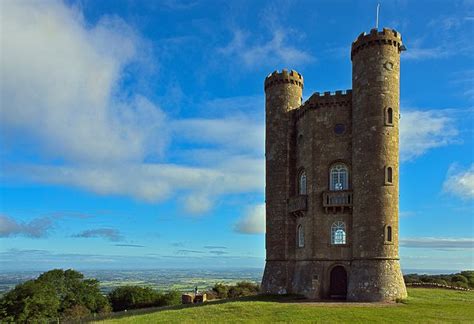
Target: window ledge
x=339, y=245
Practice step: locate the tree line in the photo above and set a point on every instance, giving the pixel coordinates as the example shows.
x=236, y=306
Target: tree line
x=463, y=279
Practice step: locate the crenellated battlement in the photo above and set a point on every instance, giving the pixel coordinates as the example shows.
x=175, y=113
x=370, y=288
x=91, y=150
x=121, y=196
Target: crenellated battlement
x=387, y=36
x=325, y=99
x=284, y=76
x=329, y=98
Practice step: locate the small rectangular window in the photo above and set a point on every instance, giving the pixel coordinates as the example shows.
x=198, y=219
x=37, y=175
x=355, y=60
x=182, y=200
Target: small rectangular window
x=389, y=233
x=388, y=175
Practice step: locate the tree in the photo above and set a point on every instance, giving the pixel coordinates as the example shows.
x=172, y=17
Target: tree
x=56, y=293
x=29, y=302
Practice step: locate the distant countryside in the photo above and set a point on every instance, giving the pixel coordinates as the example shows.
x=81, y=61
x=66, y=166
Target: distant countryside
x=68, y=295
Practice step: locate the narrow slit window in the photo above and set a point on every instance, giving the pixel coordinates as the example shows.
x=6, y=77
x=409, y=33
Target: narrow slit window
x=300, y=236
x=389, y=175
x=389, y=120
x=389, y=233
x=302, y=183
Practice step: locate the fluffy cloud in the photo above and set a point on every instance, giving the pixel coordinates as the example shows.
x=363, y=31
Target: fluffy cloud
x=416, y=137
x=105, y=233
x=61, y=93
x=36, y=228
x=460, y=182
x=154, y=182
x=253, y=222
x=276, y=51
x=59, y=82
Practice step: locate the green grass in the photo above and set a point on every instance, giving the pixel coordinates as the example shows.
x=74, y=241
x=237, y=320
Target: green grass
x=422, y=306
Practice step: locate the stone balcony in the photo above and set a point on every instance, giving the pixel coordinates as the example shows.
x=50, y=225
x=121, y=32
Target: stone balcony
x=337, y=200
x=298, y=204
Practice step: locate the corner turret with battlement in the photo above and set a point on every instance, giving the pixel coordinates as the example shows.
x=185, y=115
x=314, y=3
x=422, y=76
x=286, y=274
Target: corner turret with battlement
x=332, y=180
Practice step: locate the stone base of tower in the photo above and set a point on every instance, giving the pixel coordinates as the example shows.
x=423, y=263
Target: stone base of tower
x=275, y=278
x=376, y=280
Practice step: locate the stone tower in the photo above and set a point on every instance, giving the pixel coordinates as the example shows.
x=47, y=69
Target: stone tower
x=332, y=180
x=375, y=271
x=283, y=93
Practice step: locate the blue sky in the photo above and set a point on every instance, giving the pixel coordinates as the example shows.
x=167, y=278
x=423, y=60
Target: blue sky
x=132, y=131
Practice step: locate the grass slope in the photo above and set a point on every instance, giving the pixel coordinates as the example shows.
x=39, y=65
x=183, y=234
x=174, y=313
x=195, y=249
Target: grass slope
x=422, y=306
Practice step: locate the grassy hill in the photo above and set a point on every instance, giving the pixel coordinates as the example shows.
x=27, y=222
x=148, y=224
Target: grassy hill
x=422, y=306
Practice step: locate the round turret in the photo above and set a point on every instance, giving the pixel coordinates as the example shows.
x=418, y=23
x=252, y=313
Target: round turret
x=283, y=93
x=375, y=150
x=284, y=77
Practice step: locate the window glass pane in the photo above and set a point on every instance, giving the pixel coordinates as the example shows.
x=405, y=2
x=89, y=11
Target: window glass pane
x=302, y=181
x=338, y=233
x=300, y=236
x=339, y=177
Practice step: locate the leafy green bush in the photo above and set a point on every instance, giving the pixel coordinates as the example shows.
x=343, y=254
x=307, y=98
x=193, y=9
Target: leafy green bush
x=241, y=289
x=130, y=297
x=54, y=294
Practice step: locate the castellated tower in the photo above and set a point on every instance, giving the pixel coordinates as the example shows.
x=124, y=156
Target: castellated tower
x=375, y=271
x=283, y=93
x=332, y=180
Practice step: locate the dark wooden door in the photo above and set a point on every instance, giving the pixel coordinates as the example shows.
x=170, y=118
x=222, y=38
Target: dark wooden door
x=338, y=287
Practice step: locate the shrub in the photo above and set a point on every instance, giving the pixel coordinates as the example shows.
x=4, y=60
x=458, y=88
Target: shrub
x=221, y=290
x=130, y=297
x=170, y=298
x=459, y=278
x=241, y=289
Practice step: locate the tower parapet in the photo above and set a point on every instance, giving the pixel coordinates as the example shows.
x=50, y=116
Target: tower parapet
x=388, y=37
x=282, y=77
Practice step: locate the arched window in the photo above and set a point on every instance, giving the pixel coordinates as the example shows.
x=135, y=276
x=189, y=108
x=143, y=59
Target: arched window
x=339, y=177
x=300, y=236
x=338, y=233
x=302, y=183
x=389, y=116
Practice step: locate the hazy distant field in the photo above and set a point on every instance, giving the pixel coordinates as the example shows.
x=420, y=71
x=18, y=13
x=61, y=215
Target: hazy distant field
x=423, y=306
x=161, y=279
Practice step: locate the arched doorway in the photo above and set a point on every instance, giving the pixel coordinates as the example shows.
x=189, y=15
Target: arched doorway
x=338, y=285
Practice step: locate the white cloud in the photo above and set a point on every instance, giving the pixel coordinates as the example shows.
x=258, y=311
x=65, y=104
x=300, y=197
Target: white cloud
x=59, y=82
x=460, y=182
x=275, y=51
x=197, y=203
x=421, y=131
x=253, y=222
x=61, y=93
x=437, y=243
x=153, y=182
